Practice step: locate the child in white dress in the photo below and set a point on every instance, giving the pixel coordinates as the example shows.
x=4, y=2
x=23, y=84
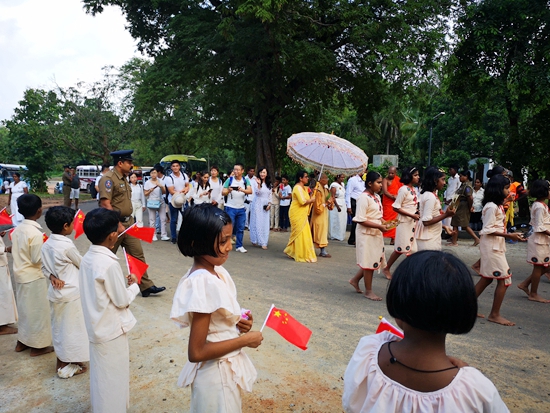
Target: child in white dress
x=206, y=301
x=415, y=374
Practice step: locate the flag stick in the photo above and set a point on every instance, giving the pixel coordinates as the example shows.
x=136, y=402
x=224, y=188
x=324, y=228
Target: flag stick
x=268, y=314
x=126, y=230
x=126, y=258
x=75, y=215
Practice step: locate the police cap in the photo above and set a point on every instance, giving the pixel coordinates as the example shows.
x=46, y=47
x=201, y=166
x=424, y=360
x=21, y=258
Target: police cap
x=123, y=155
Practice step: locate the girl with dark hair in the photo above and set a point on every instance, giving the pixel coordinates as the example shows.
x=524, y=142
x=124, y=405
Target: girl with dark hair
x=406, y=206
x=428, y=229
x=300, y=245
x=138, y=199
x=415, y=374
x=369, y=241
x=216, y=184
x=206, y=301
x=259, y=210
x=538, y=244
x=493, y=264
x=465, y=202
x=202, y=193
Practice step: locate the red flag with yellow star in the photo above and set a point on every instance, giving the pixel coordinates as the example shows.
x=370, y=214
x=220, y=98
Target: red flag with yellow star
x=78, y=224
x=5, y=218
x=290, y=329
x=135, y=266
x=143, y=233
x=44, y=237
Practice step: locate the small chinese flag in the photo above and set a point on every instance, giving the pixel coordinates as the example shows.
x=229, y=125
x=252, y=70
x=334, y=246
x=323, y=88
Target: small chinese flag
x=44, y=237
x=135, y=266
x=5, y=218
x=11, y=232
x=290, y=329
x=143, y=233
x=78, y=224
x=385, y=325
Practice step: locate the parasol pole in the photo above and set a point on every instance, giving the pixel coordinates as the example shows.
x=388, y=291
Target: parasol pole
x=321, y=172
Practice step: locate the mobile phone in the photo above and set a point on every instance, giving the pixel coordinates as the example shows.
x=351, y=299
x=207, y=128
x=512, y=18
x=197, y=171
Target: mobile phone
x=235, y=188
x=211, y=189
x=265, y=207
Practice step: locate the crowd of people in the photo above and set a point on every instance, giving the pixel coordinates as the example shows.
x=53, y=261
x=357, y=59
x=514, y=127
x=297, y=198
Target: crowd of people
x=78, y=306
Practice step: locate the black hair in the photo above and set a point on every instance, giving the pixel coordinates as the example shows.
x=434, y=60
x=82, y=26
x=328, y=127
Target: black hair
x=267, y=178
x=57, y=216
x=239, y=164
x=105, y=167
x=17, y=174
x=175, y=161
x=494, y=190
x=284, y=176
x=466, y=173
x=455, y=167
x=200, y=230
x=199, y=182
x=277, y=178
x=130, y=175
x=28, y=205
x=539, y=189
x=429, y=184
x=99, y=223
x=248, y=168
x=159, y=168
x=433, y=291
x=407, y=175
x=372, y=176
x=497, y=170
x=300, y=174
x=216, y=168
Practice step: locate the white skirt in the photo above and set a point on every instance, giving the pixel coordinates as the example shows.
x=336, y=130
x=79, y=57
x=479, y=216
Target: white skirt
x=8, y=307
x=110, y=376
x=70, y=339
x=35, y=329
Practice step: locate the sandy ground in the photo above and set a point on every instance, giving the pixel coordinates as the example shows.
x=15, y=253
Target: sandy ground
x=516, y=359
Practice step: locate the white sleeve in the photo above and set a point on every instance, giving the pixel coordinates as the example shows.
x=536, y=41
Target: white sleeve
x=116, y=288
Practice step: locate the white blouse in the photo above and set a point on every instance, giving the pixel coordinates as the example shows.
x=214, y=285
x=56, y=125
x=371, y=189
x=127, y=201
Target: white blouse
x=368, y=389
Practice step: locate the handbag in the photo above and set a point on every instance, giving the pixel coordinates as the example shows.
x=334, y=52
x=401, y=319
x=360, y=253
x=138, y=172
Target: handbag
x=153, y=203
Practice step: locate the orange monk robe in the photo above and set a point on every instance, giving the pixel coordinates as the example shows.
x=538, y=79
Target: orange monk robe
x=387, y=209
x=319, y=217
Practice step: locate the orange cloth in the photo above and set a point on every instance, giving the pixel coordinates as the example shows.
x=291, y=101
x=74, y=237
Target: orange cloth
x=388, y=213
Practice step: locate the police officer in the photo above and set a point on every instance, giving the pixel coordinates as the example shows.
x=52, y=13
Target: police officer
x=115, y=194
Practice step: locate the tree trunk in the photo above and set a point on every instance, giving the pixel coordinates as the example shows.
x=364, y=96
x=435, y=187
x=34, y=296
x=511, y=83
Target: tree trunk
x=265, y=144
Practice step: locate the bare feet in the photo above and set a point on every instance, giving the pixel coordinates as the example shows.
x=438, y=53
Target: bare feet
x=386, y=273
x=452, y=245
x=500, y=320
x=448, y=229
x=19, y=347
x=35, y=352
x=356, y=286
x=524, y=289
x=7, y=330
x=479, y=315
x=371, y=296
x=264, y=247
x=537, y=298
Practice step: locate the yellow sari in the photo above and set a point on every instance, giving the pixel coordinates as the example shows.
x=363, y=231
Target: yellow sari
x=300, y=245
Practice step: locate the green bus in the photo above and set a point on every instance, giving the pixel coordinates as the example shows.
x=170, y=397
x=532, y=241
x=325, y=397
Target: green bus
x=188, y=163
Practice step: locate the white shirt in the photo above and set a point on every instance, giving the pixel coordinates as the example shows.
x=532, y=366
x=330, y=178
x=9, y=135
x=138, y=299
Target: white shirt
x=453, y=183
x=176, y=182
x=156, y=194
x=26, y=241
x=478, y=199
x=17, y=189
x=354, y=188
x=216, y=190
x=254, y=185
x=105, y=295
x=61, y=258
x=98, y=178
x=235, y=199
x=137, y=193
x=286, y=191
x=202, y=195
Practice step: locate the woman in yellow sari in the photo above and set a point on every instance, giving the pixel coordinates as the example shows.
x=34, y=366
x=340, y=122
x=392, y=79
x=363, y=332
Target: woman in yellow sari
x=300, y=245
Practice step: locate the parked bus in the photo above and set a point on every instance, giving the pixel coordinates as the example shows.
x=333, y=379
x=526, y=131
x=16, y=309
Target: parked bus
x=87, y=175
x=7, y=170
x=187, y=162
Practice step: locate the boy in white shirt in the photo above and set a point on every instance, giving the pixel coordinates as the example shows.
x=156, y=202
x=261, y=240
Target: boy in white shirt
x=105, y=301
x=60, y=262
x=31, y=287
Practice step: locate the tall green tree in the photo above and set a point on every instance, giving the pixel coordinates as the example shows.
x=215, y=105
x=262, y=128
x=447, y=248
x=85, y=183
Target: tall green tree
x=262, y=70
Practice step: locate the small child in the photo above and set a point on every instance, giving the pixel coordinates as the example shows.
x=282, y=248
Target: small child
x=284, y=205
x=31, y=287
x=8, y=307
x=61, y=261
x=105, y=302
x=206, y=301
x=429, y=226
x=368, y=234
x=538, y=244
x=493, y=248
x=415, y=374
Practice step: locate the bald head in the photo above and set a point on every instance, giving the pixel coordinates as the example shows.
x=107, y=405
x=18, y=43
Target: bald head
x=392, y=170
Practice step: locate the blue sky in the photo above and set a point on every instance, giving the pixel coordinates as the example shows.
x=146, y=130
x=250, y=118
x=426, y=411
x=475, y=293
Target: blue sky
x=48, y=42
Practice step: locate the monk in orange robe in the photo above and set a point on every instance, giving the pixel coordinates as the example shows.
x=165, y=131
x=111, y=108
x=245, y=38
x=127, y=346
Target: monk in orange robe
x=390, y=186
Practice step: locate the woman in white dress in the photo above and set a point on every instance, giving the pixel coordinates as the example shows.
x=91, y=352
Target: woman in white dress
x=338, y=216
x=259, y=210
x=138, y=199
x=217, y=185
x=17, y=188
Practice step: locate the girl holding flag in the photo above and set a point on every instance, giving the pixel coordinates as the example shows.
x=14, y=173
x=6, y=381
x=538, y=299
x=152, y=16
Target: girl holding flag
x=206, y=301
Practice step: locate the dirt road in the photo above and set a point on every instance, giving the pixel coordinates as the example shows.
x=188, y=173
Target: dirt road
x=516, y=359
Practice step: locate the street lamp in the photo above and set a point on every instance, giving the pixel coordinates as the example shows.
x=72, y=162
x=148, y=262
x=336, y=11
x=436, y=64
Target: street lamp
x=431, y=130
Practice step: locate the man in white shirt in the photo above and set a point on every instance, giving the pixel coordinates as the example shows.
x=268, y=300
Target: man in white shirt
x=176, y=183
x=236, y=188
x=354, y=188
x=104, y=168
x=249, y=198
x=453, y=183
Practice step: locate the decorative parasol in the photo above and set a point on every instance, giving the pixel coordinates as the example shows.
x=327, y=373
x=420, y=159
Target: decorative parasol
x=325, y=152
